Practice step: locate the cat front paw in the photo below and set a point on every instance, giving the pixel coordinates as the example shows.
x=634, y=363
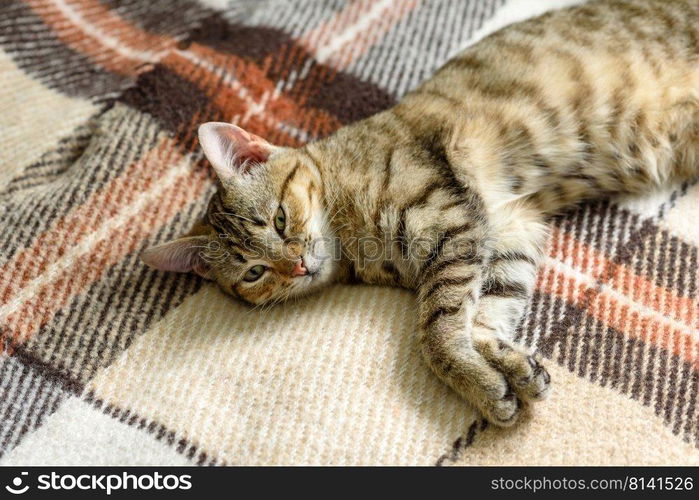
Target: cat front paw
x=526, y=377
x=500, y=378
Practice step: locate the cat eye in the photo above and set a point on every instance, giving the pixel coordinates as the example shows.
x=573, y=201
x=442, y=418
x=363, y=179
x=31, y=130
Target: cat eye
x=254, y=273
x=280, y=220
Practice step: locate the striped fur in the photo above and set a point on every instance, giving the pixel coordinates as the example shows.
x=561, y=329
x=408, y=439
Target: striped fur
x=454, y=183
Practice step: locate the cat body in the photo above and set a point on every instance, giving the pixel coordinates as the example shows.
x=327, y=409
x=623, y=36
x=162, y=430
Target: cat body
x=447, y=193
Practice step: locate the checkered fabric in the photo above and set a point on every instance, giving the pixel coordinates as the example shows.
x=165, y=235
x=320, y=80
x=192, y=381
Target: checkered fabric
x=105, y=361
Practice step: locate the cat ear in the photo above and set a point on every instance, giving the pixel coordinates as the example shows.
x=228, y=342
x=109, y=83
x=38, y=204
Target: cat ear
x=182, y=255
x=230, y=149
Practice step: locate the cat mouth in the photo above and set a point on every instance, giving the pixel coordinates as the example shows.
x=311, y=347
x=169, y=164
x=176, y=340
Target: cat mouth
x=309, y=277
x=314, y=275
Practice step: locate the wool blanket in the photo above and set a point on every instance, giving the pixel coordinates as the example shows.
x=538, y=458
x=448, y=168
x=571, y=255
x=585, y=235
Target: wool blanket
x=104, y=361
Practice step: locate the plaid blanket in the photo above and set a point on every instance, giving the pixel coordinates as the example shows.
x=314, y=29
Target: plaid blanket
x=107, y=362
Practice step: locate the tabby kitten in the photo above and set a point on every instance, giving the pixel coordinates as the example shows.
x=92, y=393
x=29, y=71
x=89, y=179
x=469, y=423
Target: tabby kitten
x=447, y=192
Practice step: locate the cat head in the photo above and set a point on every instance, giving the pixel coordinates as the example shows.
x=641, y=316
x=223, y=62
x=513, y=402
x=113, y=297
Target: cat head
x=265, y=236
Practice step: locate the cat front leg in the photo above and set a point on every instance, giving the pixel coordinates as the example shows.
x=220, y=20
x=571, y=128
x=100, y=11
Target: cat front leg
x=470, y=298
x=448, y=296
x=517, y=238
x=447, y=308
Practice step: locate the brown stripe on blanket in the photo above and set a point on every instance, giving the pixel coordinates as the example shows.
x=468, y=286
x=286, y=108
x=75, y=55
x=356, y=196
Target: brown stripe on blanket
x=341, y=94
x=29, y=393
x=172, y=100
x=66, y=70
x=121, y=139
x=462, y=443
x=161, y=433
x=175, y=19
x=127, y=299
x=255, y=43
x=673, y=265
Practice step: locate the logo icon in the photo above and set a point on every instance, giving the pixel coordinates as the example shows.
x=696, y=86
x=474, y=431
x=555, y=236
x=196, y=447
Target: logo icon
x=17, y=483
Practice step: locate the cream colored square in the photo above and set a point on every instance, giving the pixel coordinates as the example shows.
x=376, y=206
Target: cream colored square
x=78, y=434
x=333, y=379
x=582, y=424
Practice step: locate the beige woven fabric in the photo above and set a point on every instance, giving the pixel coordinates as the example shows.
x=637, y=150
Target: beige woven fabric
x=341, y=383
x=334, y=379
x=104, y=361
x=581, y=424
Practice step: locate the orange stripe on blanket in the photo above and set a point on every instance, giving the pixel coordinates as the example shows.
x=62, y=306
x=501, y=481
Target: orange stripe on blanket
x=621, y=277
x=56, y=291
x=597, y=302
x=66, y=232
x=109, y=41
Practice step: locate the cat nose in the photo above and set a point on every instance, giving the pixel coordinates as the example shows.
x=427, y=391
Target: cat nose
x=299, y=269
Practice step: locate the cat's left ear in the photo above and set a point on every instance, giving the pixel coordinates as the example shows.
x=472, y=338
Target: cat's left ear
x=232, y=150
x=182, y=255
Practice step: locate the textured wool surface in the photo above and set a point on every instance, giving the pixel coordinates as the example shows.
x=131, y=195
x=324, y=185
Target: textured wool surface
x=107, y=362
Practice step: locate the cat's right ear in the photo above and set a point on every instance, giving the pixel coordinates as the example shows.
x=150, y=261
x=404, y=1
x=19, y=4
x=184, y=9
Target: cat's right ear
x=232, y=150
x=182, y=255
